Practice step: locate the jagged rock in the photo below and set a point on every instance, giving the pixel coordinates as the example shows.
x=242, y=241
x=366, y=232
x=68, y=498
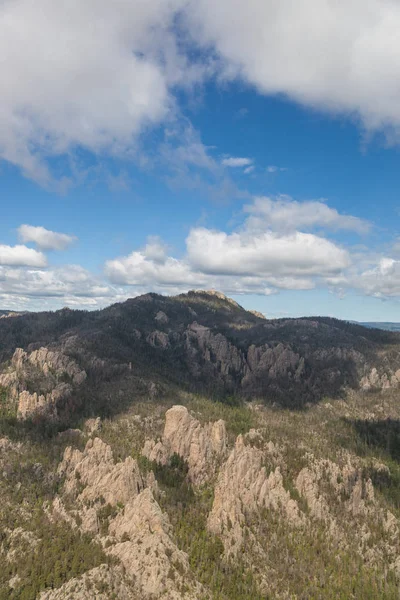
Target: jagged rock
x=222, y=357
x=49, y=362
x=200, y=445
x=243, y=487
x=346, y=482
x=274, y=362
x=102, y=583
x=53, y=367
x=100, y=476
x=139, y=533
x=161, y=318
x=258, y=314
x=18, y=541
x=383, y=381
x=45, y=404
x=144, y=547
x=158, y=339
x=92, y=425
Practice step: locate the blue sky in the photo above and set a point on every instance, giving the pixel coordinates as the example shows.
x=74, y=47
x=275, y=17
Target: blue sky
x=160, y=150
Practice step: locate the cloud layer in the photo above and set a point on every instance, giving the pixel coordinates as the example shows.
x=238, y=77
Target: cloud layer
x=44, y=238
x=21, y=256
x=285, y=214
x=67, y=85
x=264, y=255
x=280, y=244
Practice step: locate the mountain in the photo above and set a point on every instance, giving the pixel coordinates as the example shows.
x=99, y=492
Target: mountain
x=183, y=447
x=9, y=313
x=200, y=341
x=382, y=325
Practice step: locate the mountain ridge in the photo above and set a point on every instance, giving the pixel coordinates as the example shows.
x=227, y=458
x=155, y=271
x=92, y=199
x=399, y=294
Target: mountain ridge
x=200, y=341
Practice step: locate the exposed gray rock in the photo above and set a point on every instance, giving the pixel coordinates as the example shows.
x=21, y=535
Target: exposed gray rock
x=200, y=445
x=244, y=486
x=102, y=583
x=100, y=476
x=161, y=318
x=145, y=548
x=158, y=339
x=49, y=369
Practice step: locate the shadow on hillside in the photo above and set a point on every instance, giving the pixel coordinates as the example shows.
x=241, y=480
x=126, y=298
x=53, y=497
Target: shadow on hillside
x=382, y=437
x=380, y=442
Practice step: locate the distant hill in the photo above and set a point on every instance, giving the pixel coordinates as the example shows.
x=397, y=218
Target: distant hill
x=131, y=467
x=9, y=313
x=201, y=342
x=387, y=326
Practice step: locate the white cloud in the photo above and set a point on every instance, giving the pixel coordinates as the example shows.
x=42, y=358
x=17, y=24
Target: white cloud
x=19, y=256
x=381, y=280
x=236, y=161
x=275, y=169
x=249, y=170
x=268, y=254
x=146, y=271
x=69, y=284
x=66, y=84
x=285, y=214
x=44, y=238
x=144, y=268
x=339, y=56
x=251, y=260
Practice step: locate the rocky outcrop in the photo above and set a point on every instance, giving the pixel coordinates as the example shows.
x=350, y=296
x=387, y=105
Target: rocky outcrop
x=161, y=318
x=258, y=314
x=146, y=551
x=54, y=374
x=246, y=486
x=272, y=362
x=93, y=474
x=102, y=583
x=116, y=504
x=92, y=425
x=324, y=479
x=49, y=362
x=212, y=354
x=45, y=404
x=202, y=446
x=380, y=381
x=158, y=339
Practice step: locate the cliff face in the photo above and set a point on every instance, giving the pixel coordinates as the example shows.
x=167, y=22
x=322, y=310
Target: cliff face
x=121, y=479
x=205, y=501
x=40, y=381
x=200, y=341
x=116, y=503
x=201, y=446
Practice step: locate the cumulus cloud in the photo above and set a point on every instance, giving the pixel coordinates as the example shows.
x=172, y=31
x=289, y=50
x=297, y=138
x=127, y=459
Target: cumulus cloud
x=44, y=238
x=254, y=259
x=145, y=271
x=69, y=284
x=19, y=256
x=106, y=84
x=285, y=214
x=268, y=254
x=339, y=56
x=236, y=161
x=102, y=85
x=381, y=280
x=146, y=268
